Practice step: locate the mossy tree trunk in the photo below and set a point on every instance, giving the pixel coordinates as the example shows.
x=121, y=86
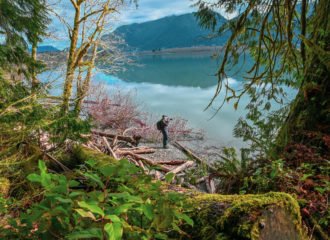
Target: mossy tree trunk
x=71, y=60
x=83, y=86
x=96, y=15
x=310, y=111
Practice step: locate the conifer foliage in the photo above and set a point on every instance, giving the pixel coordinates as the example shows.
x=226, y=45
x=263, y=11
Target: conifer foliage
x=22, y=22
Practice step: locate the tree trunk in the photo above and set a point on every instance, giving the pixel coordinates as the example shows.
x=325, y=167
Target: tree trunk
x=35, y=81
x=71, y=62
x=309, y=112
x=84, y=87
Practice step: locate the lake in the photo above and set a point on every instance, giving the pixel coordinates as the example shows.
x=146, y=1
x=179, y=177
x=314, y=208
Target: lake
x=182, y=86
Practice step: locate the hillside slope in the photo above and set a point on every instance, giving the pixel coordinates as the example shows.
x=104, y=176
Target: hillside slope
x=168, y=32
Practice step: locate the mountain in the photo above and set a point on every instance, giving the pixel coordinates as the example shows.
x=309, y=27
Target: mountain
x=169, y=32
x=47, y=48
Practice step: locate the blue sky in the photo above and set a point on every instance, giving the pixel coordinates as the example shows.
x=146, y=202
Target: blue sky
x=147, y=10
x=154, y=9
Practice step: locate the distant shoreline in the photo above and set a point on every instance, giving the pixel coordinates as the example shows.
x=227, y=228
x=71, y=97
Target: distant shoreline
x=53, y=59
x=194, y=50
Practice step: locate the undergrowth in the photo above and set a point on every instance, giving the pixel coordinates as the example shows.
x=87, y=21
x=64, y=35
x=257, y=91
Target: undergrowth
x=96, y=202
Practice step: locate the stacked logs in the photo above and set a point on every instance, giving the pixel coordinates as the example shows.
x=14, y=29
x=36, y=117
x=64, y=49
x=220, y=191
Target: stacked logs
x=126, y=147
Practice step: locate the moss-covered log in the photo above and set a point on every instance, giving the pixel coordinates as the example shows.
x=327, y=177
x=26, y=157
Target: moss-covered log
x=4, y=186
x=271, y=216
x=266, y=216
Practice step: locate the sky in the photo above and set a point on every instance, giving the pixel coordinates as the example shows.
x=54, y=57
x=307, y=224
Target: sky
x=154, y=9
x=147, y=10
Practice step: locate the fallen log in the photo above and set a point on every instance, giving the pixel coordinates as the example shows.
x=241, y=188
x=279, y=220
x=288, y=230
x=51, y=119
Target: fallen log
x=146, y=160
x=133, y=140
x=135, y=148
x=64, y=168
x=136, y=151
x=91, y=145
x=270, y=216
x=109, y=148
x=172, y=162
x=114, y=141
x=194, y=156
x=202, y=179
x=182, y=167
x=142, y=166
x=210, y=186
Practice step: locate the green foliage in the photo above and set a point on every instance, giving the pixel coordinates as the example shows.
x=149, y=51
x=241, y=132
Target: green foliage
x=68, y=126
x=102, y=202
x=266, y=31
x=24, y=117
x=246, y=174
x=22, y=22
x=260, y=132
x=21, y=117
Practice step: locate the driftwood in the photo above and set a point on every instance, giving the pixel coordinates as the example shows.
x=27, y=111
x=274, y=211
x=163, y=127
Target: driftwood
x=146, y=160
x=114, y=141
x=172, y=162
x=109, y=148
x=92, y=146
x=202, y=179
x=65, y=168
x=100, y=140
x=182, y=167
x=133, y=140
x=141, y=165
x=210, y=186
x=188, y=185
x=136, y=151
x=191, y=154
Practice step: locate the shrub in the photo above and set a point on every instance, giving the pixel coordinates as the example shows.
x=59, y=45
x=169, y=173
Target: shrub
x=102, y=202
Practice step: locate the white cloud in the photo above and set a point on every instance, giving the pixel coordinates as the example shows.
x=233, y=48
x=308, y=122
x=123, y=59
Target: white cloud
x=147, y=10
x=154, y=9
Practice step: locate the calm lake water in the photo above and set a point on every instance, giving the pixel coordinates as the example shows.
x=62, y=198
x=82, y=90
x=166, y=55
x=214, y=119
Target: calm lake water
x=180, y=86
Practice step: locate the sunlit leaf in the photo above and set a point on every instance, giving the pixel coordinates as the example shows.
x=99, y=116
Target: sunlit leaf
x=91, y=207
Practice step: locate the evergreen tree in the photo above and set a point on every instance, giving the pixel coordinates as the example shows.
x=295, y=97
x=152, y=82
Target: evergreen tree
x=22, y=22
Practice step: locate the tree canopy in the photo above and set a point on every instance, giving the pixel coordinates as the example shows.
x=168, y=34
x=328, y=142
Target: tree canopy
x=283, y=37
x=21, y=23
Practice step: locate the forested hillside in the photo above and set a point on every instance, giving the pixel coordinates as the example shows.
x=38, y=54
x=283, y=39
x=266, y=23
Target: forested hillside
x=170, y=32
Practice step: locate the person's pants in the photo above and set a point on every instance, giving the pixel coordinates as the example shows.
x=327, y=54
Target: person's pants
x=165, y=137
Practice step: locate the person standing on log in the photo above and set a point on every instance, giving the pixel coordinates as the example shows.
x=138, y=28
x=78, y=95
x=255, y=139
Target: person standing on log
x=162, y=126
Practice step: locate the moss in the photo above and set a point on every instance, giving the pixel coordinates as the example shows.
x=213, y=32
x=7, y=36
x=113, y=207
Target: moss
x=240, y=215
x=83, y=154
x=4, y=186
